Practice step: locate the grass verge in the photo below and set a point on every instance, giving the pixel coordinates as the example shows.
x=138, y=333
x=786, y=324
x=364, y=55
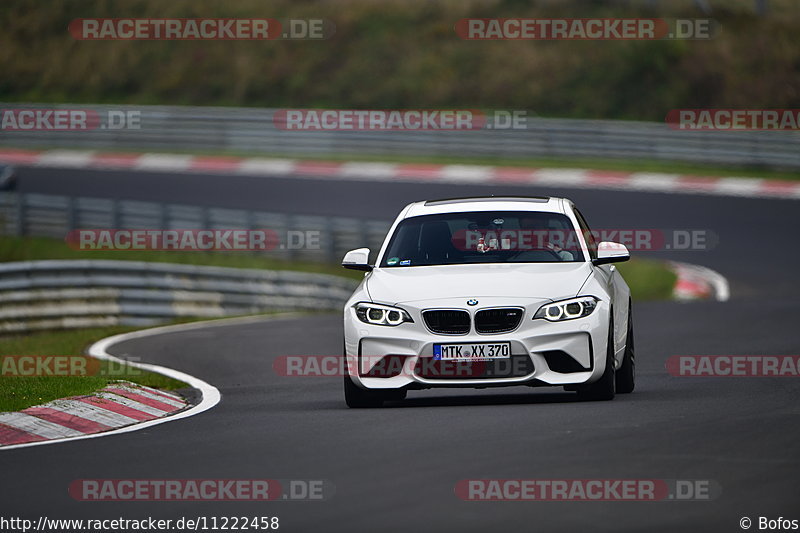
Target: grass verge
x=648, y=279
x=38, y=248
x=19, y=392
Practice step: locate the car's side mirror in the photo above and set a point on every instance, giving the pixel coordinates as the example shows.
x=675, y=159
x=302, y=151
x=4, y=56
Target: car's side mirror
x=357, y=260
x=611, y=252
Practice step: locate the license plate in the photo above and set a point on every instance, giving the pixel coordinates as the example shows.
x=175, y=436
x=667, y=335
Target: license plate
x=481, y=351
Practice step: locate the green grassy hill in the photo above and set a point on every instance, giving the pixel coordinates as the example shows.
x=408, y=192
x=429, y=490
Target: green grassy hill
x=405, y=54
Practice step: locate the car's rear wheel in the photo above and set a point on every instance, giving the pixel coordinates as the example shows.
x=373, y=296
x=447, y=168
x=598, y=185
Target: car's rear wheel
x=605, y=387
x=626, y=375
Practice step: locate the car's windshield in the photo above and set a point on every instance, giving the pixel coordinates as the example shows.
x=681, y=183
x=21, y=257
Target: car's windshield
x=483, y=237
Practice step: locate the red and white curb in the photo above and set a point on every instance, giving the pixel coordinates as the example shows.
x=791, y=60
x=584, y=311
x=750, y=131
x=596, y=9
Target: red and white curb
x=409, y=172
x=210, y=395
x=118, y=405
x=698, y=283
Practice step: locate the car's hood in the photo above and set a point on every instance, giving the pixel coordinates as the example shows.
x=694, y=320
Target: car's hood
x=523, y=280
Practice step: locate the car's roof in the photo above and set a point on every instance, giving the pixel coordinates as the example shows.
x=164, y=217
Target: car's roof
x=487, y=203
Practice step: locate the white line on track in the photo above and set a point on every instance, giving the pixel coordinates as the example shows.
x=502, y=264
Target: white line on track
x=210, y=394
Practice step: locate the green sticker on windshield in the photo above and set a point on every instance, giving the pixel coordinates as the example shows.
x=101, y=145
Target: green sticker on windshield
x=392, y=261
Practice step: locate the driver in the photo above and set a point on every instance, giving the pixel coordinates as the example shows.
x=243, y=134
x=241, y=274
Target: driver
x=539, y=227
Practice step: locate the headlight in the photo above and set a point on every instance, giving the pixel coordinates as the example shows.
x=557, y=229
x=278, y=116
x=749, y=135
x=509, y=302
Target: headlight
x=567, y=309
x=381, y=315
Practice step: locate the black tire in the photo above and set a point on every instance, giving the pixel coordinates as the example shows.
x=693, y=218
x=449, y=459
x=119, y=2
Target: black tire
x=396, y=395
x=626, y=375
x=604, y=388
x=356, y=397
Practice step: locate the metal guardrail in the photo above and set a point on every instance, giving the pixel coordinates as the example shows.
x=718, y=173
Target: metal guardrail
x=60, y=294
x=252, y=130
x=29, y=214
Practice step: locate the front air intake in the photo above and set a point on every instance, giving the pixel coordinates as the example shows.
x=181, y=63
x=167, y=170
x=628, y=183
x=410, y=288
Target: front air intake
x=447, y=321
x=498, y=320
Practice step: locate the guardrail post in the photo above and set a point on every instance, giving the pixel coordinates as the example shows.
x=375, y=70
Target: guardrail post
x=116, y=214
x=19, y=223
x=72, y=214
x=164, y=218
x=289, y=226
x=330, y=241
x=280, y=226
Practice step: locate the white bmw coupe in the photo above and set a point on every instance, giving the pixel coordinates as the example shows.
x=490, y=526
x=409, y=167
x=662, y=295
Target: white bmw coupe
x=488, y=292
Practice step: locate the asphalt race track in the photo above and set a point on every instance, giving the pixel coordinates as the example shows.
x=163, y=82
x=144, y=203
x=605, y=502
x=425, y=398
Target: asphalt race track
x=395, y=469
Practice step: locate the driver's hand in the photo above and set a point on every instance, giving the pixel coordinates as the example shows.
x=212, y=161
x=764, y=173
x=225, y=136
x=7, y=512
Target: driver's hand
x=566, y=256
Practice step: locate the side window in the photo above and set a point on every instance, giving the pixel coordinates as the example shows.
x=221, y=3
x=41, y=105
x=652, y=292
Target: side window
x=587, y=234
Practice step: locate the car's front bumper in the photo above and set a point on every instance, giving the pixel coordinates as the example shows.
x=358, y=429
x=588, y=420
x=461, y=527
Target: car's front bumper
x=564, y=353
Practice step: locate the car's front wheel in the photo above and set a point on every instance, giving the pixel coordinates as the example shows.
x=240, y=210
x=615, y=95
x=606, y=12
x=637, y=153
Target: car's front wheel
x=626, y=375
x=605, y=387
x=357, y=397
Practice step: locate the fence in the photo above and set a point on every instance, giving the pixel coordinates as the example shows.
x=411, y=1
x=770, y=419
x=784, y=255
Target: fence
x=41, y=295
x=53, y=216
x=251, y=130
x=37, y=295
